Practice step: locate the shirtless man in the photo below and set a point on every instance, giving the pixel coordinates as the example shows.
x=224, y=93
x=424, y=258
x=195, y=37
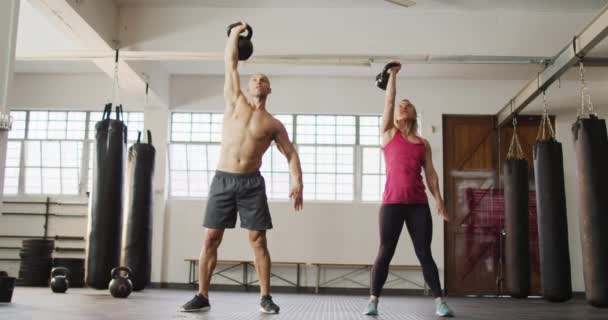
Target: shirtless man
x=238, y=185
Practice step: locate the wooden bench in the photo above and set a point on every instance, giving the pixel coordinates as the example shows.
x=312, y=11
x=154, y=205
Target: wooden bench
x=244, y=265
x=363, y=268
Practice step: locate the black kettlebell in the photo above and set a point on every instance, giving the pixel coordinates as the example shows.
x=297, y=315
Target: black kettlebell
x=121, y=287
x=245, y=47
x=7, y=285
x=59, y=280
x=382, y=77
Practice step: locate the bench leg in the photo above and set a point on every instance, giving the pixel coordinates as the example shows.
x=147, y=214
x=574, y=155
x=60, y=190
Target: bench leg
x=192, y=275
x=190, y=272
x=245, y=278
x=298, y=278
x=318, y=279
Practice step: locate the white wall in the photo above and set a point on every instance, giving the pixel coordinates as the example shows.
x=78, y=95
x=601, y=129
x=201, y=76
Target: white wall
x=156, y=119
x=68, y=91
x=323, y=232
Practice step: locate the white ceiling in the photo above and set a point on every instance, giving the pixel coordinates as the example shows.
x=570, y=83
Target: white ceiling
x=539, y=5
x=37, y=34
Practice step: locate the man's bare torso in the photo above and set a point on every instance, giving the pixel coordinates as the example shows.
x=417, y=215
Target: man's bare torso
x=247, y=134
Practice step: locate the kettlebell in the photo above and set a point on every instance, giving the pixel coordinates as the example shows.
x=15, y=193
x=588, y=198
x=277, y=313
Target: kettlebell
x=245, y=47
x=59, y=280
x=7, y=285
x=382, y=77
x=121, y=287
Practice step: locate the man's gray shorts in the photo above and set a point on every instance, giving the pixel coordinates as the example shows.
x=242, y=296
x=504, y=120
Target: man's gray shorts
x=242, y=192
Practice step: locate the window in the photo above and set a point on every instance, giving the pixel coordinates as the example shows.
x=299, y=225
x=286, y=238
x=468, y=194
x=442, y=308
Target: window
x=373, y=175
x=53, y=150
x=52, y=167
x=326, y=147
x=369, y=130
x=194, y=152
x=328, y=172
x=56, y=125
x=46, y=150
x=11, y=173
x=192, y=168
x=196, y=127
x=317, y=129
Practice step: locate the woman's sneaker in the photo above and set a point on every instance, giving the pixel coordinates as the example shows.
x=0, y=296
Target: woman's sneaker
x=197, y=304
x=443, y=310
x=267, y=306
x=372, y=308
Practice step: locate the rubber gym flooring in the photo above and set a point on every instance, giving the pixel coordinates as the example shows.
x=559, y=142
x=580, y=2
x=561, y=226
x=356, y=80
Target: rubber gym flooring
x=41, y=303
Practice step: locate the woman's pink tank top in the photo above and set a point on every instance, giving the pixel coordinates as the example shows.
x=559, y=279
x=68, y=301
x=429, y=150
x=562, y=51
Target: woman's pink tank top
x=404, y=161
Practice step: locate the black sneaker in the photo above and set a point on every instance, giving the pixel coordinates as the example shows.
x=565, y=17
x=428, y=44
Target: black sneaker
x=197, y=304
x=267, y=306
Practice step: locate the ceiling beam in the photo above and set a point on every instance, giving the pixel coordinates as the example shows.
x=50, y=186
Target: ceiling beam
x=93, y=24
x=175, y=56
x=570, y=55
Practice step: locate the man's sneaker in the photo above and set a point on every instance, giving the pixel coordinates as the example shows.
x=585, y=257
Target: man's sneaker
x=443, y=310
x=372, y=308
x=267, y=306
x=197, y=304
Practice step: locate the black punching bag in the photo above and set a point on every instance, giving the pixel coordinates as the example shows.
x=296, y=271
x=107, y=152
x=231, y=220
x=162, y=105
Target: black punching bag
x=552, y=221
x=591, y=148
x=517, y=245
x=105, y=208
x=137, y=241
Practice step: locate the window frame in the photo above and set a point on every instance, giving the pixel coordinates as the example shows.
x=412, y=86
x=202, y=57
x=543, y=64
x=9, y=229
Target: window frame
x=85, y=142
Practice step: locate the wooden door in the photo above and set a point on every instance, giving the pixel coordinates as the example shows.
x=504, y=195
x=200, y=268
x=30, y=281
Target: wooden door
x=470, y=162
x=474, y=150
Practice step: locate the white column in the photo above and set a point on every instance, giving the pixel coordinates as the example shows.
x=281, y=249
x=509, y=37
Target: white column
x=9, y=16
x=156, y=119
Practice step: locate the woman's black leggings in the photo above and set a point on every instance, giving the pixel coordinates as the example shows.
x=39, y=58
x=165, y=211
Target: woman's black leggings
x=417, y=218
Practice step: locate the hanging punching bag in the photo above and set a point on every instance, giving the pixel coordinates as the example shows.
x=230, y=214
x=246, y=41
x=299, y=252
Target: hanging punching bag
x=517, y=246
x=105, y=208
x=137, y=241
x=591, y=148
x=552, y=221
x=517, y=230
